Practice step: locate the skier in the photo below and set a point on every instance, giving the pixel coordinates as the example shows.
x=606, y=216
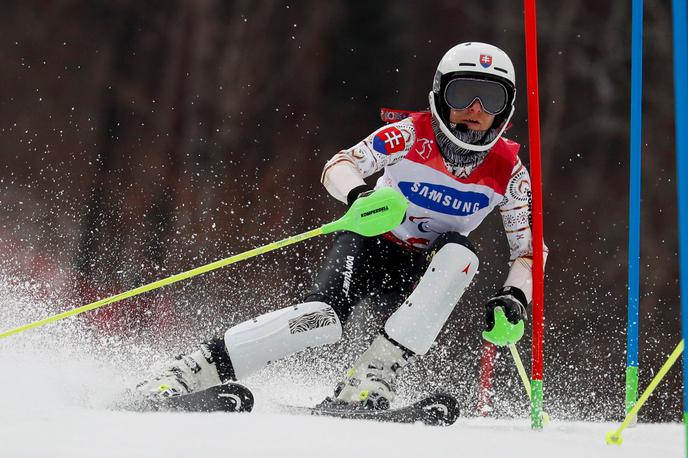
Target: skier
x=454, y=167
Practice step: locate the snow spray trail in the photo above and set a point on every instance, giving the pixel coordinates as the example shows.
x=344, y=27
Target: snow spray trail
x=63, y=364
x=71, y=363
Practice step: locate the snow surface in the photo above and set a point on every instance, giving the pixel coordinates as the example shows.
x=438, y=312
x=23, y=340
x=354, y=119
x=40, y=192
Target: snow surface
x=76, y=432
x=56, y=405
x=59, y=382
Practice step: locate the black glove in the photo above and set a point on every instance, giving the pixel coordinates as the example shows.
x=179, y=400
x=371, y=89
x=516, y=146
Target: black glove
x=356, y=193
x=512, y=300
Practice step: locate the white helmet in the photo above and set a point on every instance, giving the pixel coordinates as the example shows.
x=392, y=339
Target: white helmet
x=476, y=61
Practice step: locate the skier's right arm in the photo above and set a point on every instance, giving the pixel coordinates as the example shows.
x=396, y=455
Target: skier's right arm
x=344, y=174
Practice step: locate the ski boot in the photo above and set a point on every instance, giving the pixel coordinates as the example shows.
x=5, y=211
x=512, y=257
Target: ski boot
x=190, y=373
x=370, y=383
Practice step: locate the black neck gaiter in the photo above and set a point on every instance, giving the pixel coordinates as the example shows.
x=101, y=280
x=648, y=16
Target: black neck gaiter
x=462, y=157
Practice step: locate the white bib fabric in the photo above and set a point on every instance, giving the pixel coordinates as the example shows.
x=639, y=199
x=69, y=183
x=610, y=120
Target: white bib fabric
x=439, y=201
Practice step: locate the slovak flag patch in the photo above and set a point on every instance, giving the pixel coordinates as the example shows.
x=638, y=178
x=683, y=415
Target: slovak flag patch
x=485, y=60
x=389, y=141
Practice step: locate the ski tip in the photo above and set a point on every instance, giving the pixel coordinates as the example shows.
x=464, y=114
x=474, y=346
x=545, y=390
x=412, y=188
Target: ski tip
x=233, y=397
x=440, y=409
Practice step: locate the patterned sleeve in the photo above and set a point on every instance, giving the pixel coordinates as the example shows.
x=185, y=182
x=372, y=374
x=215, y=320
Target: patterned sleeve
x=516, y=211
x=386, y=146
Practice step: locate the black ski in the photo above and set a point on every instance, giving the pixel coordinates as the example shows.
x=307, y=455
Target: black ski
x=434, y=410
x=230, y=397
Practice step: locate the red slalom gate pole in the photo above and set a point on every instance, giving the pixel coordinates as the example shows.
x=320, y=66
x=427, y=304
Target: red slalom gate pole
x=537, y=398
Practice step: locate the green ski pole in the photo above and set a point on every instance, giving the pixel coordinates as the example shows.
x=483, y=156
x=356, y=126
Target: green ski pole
x=371, y=215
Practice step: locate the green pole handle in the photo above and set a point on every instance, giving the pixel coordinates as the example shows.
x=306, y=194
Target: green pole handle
x=372, y=215
x=504, y=332
x=379, y=212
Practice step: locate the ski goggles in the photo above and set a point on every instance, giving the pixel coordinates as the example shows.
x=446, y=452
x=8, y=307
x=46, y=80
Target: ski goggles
x=460, y=94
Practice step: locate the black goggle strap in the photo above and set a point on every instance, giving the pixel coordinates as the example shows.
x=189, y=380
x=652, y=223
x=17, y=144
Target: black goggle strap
x=461, y=93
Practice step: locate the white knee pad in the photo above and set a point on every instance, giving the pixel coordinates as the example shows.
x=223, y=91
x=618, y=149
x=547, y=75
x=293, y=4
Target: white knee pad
x=252, y=344
x=418, y=321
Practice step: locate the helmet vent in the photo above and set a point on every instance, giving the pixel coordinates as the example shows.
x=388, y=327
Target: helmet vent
x=467, y=64
x=501, y=70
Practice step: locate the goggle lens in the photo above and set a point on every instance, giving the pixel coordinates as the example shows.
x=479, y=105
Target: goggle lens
x=460, y=94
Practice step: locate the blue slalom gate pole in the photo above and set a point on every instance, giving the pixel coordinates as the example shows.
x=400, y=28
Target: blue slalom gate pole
x=634, y=205
x=680, y=18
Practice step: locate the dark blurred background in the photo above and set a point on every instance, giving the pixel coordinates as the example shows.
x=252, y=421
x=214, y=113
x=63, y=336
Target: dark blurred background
x=143, y=138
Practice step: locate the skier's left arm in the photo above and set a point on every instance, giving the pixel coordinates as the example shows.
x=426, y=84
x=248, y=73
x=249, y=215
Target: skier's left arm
x=516, y=211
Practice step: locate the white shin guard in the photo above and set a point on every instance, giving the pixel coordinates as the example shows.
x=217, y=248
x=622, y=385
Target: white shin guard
x=418, y=321
x=252, y=344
